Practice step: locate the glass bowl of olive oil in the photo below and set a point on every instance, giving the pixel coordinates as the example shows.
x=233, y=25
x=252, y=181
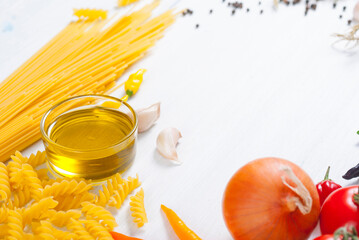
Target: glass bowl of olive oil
x=90, y=136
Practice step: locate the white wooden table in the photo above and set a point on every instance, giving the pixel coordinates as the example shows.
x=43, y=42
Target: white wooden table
x=239, y=88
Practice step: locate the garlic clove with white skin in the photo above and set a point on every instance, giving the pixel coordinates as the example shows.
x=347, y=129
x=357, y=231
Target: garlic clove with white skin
x=356, y=12
x=166, y=143
x=148, y=116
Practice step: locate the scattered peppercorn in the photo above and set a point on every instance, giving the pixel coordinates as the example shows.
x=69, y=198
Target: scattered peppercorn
x=349, y=22
x=187, y=12
x=344, y=8
x=247, y=9
x=313, y=6
x=197, y=25
x=334, y=5
x=261, y=12
x=295, y=1
x=340, y=16
x=237, y=5
x=210, y=11
x=306, y=1
x=233, y=11
x=259, y=3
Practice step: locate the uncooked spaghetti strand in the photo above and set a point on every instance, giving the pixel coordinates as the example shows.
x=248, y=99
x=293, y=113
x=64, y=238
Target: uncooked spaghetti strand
x=20, y=76
x=28, y=62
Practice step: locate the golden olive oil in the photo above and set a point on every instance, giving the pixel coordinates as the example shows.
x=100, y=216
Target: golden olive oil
x=91, y=142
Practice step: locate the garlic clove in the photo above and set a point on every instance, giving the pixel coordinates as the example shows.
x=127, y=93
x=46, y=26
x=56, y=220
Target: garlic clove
x=166, y=143
x=148, y=116
x=356, y=12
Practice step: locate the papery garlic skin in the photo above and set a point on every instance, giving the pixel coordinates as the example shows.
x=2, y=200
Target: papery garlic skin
x=166, y=143
x=148, y=116
x=356, y=12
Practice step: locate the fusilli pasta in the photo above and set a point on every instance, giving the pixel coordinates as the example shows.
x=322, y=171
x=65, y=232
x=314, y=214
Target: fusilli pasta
x=97, y=230
x=79, y=229
x=15, y=227
x=33, y=207
x=5, y=191
x=124, y=189
x=108, y=189
x=98, y=213
x=138, y=208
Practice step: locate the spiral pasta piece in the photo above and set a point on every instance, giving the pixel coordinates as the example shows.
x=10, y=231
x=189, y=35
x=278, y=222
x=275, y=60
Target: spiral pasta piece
x=5, y=191
x=138, y=208
x=59, y=180
x=124, y=190
x=29, y=236
x=15, y=227
x=100, y=214
x=42, y=174
x=13, y=168
x=36, y=210
x=90, y=14
x=37, y=159
x=62, y=218
x=81, y=232
x=97, y=230
x=21, y=197
x=19, y=157
x=45, y=231
x=66, y=187
x=32, y=181
x=108, y=189
x=3, y=230
x=74, y=201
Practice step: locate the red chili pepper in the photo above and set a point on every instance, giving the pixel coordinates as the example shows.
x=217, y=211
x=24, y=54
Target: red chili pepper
x=326, y=187
x=119, y=236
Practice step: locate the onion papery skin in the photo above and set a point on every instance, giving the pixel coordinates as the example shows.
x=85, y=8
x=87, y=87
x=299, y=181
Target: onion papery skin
x=256, y=206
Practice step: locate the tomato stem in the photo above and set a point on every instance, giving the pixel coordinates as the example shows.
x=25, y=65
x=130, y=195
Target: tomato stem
x=343, y=234
x=326, y=177
x=356, y=197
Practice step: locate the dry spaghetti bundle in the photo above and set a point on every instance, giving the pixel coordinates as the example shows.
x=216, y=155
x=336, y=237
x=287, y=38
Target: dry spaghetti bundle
x=86, y=57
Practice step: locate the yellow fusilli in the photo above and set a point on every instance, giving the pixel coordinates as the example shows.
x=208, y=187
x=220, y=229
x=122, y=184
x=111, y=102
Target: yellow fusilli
x=37, y=209
x=34, y=208
x=95, y=212
x=138, y=208
x=36, y=160
x=15, y=227
x=62, y=218
x=21, y=197
x=97, y=230
x=5, y=191
x=124, y=189
x=79, y=229
x=108, y=189
x=45, y=231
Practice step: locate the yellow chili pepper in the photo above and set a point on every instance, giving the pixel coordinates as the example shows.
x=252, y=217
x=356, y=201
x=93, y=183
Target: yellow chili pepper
x=180, y=228
x=124, y=98
x=134, y=82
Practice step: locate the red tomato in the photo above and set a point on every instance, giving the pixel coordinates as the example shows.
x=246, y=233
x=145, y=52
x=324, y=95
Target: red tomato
x=339, y=210
x=325, y=237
